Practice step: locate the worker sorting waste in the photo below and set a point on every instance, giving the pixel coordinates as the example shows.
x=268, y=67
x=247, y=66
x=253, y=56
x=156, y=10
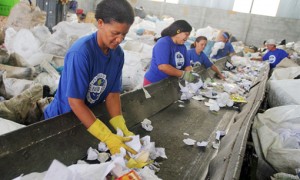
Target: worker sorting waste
x=123, y=89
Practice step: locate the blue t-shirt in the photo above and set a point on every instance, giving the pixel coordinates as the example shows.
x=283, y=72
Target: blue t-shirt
x=228, y=48
x=166, y=51
x=274, y=57
x=202, y=58
x=88, y=74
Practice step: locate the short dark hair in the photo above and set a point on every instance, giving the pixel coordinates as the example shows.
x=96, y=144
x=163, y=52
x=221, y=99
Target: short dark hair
x=265, y=42
x=115, y=10
x=198, y=39
x=176, y=27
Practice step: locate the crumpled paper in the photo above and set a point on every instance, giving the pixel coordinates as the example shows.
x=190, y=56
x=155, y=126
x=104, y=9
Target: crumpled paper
x=190, y=90
x=189, y=141
x=146, y=124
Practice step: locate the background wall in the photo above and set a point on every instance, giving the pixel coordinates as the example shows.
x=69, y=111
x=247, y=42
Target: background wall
x=289, y=9
x=90, y=5
x=249, y=28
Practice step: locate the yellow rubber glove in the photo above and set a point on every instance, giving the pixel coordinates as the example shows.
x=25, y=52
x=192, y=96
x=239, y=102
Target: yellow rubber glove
x=135, y=164
x=119, y=122
x=188, y=76
x=113, y=141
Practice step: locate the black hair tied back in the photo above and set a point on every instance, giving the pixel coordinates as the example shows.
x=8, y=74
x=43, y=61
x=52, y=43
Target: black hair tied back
x=177, y=27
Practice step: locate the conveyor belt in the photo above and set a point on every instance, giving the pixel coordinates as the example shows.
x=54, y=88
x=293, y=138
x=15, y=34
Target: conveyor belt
x=187, y=162
x=33, y=148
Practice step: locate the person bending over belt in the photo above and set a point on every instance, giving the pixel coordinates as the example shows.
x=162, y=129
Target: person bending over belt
x=92, y=75
x=197, y=56
x=169, y=56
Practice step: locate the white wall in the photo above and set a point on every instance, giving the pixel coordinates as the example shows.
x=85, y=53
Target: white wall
x=289, y=9
x=251, y=29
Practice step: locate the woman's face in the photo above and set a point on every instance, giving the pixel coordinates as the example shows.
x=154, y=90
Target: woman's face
x=110, y=35
x=201, y=45
x=223, y=39
x=271, y=47
x=181, y=37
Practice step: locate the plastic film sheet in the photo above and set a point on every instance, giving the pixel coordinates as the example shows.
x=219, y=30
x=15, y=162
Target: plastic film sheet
x=283, y=92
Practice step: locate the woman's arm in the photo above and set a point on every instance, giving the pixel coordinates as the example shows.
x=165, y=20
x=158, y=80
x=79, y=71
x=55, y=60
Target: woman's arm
x=82, y=111
x=220, y=75
x=170, y=70
x=113, y=104
x=231, y=54
x=188, y=68
x=256, y=58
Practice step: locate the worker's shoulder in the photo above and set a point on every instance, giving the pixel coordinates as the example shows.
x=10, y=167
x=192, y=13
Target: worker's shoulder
x=90, y=39
x=164, y=41
x=167, y=43
x=278, y=51
x=85, y=42
x=281, y=50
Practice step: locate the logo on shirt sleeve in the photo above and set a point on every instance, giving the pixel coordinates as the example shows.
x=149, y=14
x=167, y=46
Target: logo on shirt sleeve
x=179, y=60
x=96, y=88
x=272, y=59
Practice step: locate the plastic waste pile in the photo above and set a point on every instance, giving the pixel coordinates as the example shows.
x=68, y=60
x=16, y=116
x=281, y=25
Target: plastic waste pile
x=240, y=76
x=99, y=163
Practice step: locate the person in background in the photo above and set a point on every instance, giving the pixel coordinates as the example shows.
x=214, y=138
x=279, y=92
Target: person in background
x=197, y=56
x=274, y=55
x=92, y=74
x=169, y=56
x=263, y=48
x=228, y=48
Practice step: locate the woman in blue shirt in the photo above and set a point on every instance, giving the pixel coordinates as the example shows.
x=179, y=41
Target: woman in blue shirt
x=197, y=56
x=169, y=56
x=274, y=55
x=92, y=75
x=228, y=48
